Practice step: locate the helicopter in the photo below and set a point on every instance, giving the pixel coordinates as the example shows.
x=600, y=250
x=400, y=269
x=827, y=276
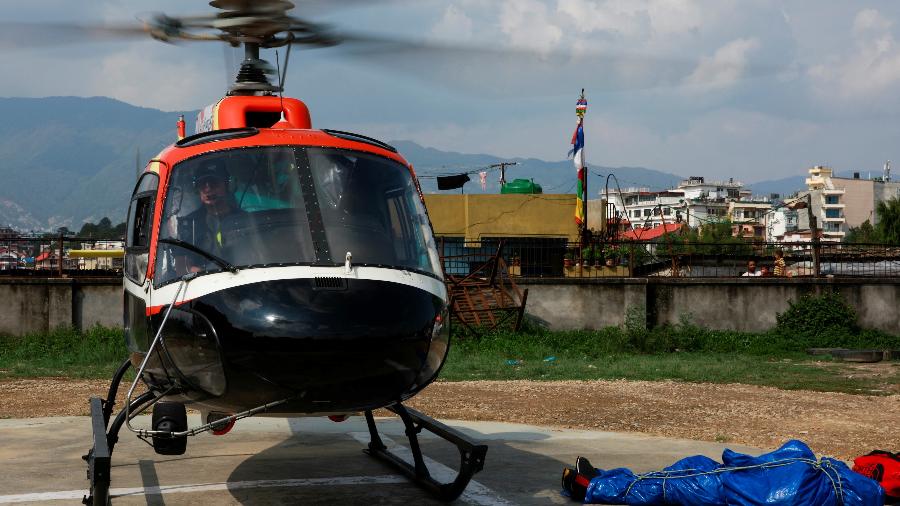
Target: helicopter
x=273, y=269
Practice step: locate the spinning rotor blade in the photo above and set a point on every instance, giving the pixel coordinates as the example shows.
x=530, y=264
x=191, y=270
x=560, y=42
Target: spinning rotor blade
x=20, y=35
x=522, y=71
x=158, y=26
x=490, y=69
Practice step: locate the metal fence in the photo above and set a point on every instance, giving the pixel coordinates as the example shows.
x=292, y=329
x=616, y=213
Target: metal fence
x=60, y=256
x=558, y=258
x=526, y=258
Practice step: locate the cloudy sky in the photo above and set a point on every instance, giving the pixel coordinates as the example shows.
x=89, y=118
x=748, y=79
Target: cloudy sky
x=751, y=89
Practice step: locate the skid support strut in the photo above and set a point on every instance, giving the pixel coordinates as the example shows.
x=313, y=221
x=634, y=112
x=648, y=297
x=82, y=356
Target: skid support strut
x=100, y=455
x=471, y=455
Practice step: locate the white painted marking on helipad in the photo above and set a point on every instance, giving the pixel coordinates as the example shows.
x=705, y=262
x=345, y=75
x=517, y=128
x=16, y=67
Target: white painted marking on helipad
x=475, y=492
x=206, y=487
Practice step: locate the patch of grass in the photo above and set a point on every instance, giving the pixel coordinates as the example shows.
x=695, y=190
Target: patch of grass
x=92, y=353
x=770, y=359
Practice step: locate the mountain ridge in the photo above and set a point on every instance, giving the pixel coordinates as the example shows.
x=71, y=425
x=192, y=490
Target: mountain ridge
x=69, y=160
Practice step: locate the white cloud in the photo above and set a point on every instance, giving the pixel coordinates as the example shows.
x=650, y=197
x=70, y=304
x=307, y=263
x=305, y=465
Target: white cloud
x=454, y=25
x=725, y=67
x=619, y=18
x=150, y=76
x=869, y=72
x=870, y=20
x=528, y=24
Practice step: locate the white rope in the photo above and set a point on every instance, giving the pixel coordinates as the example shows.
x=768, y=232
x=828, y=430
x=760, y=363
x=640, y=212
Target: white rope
x=820, y=465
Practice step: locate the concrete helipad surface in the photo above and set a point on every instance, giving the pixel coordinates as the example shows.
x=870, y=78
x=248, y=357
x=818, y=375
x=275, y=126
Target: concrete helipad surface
x=312, y=461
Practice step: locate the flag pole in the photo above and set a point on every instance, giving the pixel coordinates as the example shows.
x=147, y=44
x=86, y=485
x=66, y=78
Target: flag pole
x=580, y=110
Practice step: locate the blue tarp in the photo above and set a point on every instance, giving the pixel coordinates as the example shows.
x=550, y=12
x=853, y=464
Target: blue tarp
x=790, y=475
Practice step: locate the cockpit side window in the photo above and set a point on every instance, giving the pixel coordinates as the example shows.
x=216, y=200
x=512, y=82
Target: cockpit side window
x=138, y=230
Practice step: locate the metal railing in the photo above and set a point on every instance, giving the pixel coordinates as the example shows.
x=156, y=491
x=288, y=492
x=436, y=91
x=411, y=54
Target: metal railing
x=61, y=256
x=559, y=258
x=527, y=258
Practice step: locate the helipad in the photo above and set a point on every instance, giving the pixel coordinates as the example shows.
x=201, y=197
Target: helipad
x=311, y=461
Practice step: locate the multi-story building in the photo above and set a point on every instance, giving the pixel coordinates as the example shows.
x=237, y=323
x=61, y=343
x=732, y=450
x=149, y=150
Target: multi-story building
x=748, y=217
x=861, y=196
x=644, y=208
x=696, y=187
x=98, y=260
x=694, y=202
x=826, y=194
x=781, y=223
x=8, y=233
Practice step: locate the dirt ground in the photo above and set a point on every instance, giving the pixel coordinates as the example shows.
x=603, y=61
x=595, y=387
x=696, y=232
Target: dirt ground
x=839, y=425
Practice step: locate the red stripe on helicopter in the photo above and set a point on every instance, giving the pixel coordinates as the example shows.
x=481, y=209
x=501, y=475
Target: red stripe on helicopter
x=154, y=310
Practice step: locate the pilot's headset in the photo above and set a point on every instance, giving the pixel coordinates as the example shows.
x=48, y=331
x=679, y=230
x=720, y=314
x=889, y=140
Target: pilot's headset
x=211, y=169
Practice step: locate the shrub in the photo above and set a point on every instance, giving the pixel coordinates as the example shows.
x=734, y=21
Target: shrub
x=811, y=316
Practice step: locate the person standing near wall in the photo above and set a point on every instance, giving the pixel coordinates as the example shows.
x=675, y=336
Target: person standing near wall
x=751, y=269
x=779, y=263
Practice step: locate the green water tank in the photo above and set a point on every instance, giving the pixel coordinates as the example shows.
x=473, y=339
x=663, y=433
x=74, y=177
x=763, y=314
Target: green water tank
x=521, y=186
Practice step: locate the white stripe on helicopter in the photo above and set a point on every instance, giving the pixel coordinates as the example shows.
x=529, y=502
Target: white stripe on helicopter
x=211, y=283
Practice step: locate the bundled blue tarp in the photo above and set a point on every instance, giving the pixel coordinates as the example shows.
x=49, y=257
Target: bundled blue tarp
x=790, y=475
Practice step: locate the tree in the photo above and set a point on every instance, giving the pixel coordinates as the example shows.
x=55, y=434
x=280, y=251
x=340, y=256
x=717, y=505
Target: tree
x=102, y=230
x=863, y=234
x=888, y=226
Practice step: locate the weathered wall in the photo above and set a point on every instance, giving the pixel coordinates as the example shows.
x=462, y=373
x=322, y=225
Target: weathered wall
x=730, y=304
x=30, y=305
x=496, y=215
x=746, y=304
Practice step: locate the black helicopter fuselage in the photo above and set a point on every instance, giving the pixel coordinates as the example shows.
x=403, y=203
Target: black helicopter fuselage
x=329, y=344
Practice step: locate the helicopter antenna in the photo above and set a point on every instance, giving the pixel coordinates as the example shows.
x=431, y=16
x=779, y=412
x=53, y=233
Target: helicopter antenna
x=287, y=59
x=281, y=81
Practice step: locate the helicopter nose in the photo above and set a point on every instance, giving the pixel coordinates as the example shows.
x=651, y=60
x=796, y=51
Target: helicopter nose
x=344, y=343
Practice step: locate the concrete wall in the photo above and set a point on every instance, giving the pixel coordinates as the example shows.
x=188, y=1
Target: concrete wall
x=743, y=304
x=30, y=305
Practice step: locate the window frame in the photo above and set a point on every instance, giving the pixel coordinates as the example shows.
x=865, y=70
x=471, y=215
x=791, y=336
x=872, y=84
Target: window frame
x=130, y=247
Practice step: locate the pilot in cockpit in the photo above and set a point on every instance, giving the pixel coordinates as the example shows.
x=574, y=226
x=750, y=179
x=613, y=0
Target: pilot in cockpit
x=207, y=227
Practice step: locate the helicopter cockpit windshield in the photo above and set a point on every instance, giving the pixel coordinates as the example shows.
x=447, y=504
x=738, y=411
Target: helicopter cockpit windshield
x=287, y=205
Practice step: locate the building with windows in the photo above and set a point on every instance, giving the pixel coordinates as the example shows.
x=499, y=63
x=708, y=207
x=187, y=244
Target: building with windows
x=8, y=233
x=696, y=187
x=781, y=223
x=861, y=196
x=108, y=255
x=826, y=194
x=748, y=218
x=644, y=208
x=694, y=202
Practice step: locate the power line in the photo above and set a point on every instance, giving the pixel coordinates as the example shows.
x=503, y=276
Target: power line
x=463, y=170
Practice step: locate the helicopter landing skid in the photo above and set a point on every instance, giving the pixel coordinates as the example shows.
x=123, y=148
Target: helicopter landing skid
x=471, y=454
x=100, y=455
x=104, y=440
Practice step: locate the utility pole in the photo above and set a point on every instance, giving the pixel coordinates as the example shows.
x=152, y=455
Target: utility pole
x=502, y=166
x=814, y=230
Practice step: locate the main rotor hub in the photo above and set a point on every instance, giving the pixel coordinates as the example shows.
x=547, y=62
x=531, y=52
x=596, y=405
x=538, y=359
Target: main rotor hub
x=253, y=78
